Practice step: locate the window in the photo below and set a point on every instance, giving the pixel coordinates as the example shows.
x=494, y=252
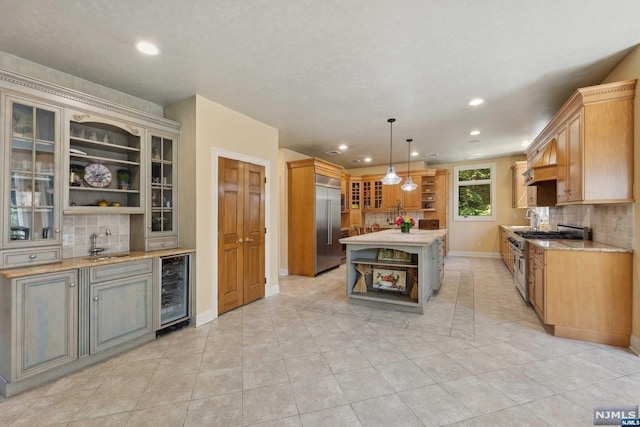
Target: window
x=474, y=192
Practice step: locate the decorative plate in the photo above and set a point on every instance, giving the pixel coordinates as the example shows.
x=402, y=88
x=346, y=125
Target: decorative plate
x=97, y=175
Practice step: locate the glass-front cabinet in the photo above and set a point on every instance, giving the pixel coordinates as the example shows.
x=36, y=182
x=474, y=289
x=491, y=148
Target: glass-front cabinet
x=157, y=228
x=31, y=192
x=104, y=165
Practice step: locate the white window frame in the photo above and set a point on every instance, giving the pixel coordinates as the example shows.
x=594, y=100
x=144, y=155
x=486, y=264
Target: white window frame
x=457, y=185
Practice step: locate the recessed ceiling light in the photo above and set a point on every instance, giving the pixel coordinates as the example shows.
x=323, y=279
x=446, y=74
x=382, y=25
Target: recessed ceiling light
x=474, y=132
x=333, y=152
x=343, y=146
x=415, y=153
x=476, y=101
x=431, y=155
x=367, y=159
x=355, y=161
x=473, y=141
x=147, y=48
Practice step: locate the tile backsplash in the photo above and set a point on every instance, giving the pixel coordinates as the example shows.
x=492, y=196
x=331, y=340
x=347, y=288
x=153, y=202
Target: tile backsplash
x=612, y=224
x=77, y=231
x=383, y=218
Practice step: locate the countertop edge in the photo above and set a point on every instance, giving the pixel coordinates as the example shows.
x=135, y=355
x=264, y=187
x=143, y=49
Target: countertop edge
x=85, y=262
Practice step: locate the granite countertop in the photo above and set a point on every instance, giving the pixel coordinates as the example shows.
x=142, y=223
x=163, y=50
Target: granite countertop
x=516, y=227
x=395, y=237
x=577, y=245
x=83, y=262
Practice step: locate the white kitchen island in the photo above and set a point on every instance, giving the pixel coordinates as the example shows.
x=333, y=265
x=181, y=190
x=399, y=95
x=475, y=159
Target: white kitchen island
x=392, y=263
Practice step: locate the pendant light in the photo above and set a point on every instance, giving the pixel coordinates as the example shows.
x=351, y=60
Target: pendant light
x=391, y=177
x=409, y=185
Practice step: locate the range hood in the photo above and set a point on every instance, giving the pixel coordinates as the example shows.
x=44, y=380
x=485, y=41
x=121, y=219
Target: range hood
x=545, y=167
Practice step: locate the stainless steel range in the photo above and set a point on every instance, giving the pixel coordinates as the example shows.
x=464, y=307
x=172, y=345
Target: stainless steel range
x=517, y=243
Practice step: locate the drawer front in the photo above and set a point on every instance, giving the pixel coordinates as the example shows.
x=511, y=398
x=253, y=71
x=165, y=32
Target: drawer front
x=158, y=243
x=120, y=270
x=27, y=257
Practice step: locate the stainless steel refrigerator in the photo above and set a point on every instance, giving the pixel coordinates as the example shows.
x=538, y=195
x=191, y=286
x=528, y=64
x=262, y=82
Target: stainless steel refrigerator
x=327, y=221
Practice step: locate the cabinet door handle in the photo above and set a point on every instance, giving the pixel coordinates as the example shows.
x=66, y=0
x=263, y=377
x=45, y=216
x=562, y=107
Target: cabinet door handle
x=57, y=230
x=72, y=285
x=239, y=241
x=33, y=256
x=96, y=298
x=248, y=239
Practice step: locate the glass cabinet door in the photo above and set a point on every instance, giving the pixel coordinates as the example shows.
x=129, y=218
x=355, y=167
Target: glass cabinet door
x=32, y=156
x=162, y=184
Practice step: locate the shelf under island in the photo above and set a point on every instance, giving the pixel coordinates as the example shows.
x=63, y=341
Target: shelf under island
x=395, y=269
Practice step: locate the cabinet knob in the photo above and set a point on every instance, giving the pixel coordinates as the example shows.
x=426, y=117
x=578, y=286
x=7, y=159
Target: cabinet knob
x=162, y=243
x=57, y=230
x=96, y=298
x=149, y=226
x=33, y=256
x=72, y=285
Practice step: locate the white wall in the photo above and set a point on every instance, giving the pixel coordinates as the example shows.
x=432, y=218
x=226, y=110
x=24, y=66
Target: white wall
x=211, y=130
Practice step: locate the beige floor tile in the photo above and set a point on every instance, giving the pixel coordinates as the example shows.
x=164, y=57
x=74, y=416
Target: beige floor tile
x=221, y=381
x=338, y=416
x=404, y=375
x=333, y=341
x=221, y=359
x=268, y=403
x=171, y=415
x=478, y=396
x=566, y=373
x=516, y=385
x=364, y=384
x=558, y=411
x=264, y=374
x=385, y=411
x=166, y=390
x=114, y=420
x=317, y=393
x=313, y=365
x=345, y=360
x=441, y=367
x=434, y=406
x=476, y=361
x=298, y=347
x=282, y=422
x=224, y=410
x=58, y=408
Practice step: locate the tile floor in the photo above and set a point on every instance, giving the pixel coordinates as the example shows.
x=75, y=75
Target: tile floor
x=478, y=356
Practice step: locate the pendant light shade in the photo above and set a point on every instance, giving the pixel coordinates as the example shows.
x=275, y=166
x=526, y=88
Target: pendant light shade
x=409, y=185
x=391, y=178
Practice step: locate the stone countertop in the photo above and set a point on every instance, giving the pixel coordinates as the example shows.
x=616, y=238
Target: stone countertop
x=515, y=227
x=83, y=262
x=395, y=237
x=577, y=245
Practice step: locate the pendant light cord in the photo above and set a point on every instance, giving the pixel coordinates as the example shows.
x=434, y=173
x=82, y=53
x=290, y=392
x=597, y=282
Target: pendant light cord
x=391, y=142
x=409, y=158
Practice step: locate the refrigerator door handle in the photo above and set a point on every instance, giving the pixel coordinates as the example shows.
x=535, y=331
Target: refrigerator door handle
x=330, y=223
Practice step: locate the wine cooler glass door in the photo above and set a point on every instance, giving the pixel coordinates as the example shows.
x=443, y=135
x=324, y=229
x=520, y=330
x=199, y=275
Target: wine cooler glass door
x=174, y=297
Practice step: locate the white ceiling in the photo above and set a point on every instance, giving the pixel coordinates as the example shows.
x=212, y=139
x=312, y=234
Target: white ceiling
x=326, y=72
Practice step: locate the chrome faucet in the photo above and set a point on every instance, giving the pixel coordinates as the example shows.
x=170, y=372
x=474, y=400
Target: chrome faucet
x=536, y=218
x=95, y=250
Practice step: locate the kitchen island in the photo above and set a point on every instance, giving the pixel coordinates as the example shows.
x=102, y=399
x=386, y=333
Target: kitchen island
x=395, y=270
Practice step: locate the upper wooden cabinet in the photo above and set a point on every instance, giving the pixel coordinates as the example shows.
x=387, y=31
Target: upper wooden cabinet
x=411, y=199
x=518, y=189
x=594, y=136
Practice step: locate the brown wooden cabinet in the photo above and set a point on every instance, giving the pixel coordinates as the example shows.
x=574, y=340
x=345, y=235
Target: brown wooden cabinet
x=535, y=280
x=594, y=135
x=411, y=199
x=582, y=294
x=505, y=250
x=518, y=189
x=355, y=199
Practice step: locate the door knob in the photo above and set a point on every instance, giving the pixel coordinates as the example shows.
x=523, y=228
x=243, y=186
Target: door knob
x=239, y=241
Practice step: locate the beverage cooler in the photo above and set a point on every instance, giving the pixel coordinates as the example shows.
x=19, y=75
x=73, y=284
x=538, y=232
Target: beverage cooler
x=175, y=292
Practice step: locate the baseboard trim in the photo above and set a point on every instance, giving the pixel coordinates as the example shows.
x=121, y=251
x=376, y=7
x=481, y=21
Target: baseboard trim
x=204, y=318
x=474, y=254
x=272, y=290
x=283, y=272
x=634, y=345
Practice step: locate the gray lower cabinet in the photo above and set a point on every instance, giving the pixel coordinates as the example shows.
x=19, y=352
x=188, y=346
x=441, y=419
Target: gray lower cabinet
x=120, y=311
x=120, y=303
x=46, y=322
x=53, y=324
